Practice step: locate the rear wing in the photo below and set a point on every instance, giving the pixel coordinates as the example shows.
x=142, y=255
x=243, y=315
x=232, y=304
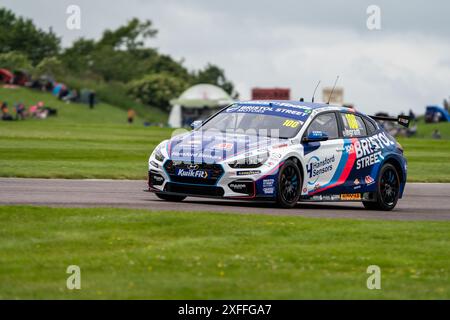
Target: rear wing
x=401, y=120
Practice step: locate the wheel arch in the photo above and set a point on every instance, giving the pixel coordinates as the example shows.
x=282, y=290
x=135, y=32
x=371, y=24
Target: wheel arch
x=398, y=166
x=299, y=164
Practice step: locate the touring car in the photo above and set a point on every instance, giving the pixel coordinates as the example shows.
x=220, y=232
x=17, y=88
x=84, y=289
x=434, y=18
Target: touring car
x=283, y=151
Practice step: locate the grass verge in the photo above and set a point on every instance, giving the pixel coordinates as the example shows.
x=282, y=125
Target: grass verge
x=136, y=254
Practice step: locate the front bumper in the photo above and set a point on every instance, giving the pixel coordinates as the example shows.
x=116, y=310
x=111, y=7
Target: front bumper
x=225, y=183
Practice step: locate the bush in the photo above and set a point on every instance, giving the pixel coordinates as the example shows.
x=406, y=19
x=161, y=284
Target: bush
x=15, y=61
x=49, y=66
x=157, y=89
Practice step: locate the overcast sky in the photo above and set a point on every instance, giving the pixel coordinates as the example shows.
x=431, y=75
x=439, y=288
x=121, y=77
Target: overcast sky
x=288, y=43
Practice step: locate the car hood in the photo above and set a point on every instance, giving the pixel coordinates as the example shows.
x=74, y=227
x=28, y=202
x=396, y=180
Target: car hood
x=199, y=147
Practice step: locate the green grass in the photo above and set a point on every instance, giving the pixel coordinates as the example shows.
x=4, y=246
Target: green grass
x=425, y=130
x=134, y=254
x=428, y=160
x=78, y=143
x=83, y=143
x=115, y=94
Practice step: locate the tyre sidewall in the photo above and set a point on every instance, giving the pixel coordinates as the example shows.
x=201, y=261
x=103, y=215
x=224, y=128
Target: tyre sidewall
x=280, y=199
x=381, y=204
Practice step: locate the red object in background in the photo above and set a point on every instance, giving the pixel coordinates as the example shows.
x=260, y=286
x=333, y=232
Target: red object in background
x=271, y=94
x=6, y=76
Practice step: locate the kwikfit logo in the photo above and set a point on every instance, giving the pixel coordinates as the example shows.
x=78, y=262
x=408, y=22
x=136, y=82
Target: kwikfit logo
x=192, y=173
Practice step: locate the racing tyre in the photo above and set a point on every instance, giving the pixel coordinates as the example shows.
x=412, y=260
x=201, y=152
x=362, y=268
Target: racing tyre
x=169, y=197
x=388, y=189
x=289, y=185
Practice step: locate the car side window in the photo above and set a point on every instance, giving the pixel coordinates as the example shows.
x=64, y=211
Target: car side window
x=371, y=129
x=326, y=123
x=353, y=126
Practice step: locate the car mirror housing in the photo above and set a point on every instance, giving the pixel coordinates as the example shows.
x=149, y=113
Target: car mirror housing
x=196, y=124
x=316, y=136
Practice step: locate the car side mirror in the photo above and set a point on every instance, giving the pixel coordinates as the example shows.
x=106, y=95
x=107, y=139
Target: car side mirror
x=196, y=124
x=316, y=136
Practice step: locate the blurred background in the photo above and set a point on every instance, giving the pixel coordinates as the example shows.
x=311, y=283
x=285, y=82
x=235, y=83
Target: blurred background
x=153, y=64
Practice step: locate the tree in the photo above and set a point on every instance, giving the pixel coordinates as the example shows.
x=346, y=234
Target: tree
x=14, y=61
x=78, y=58
x=130, y=37
x=156, y=90
x=212, y=74
x=21, y=35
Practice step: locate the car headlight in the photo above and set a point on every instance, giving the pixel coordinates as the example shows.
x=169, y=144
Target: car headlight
x=158, y=154
x=250, y=162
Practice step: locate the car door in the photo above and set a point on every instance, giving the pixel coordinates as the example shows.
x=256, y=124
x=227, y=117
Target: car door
x=357, y=149
x=321, y=159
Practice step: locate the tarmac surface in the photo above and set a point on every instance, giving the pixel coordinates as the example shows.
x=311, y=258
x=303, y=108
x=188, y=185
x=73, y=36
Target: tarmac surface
x=421, y=201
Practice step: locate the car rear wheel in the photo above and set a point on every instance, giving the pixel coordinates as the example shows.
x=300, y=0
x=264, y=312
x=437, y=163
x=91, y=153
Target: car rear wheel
x=169, y=197
x=289, y=185
x=388, y=190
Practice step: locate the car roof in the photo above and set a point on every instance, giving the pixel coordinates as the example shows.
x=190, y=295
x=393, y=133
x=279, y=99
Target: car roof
x=311, y=105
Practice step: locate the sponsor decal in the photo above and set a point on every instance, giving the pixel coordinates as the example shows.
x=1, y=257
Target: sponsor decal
x=237, y=186
x=335, y=197
x=275, y=155
x=268, y=182
x=369, y=150
x=305, y=190
x=268, y=190
x=315, y=167
x=200, y=155
x=280, y=146
x=316, y=198
x=352, y=132
x=350, y=196
x=356, y=184
x=223, y=146
x=277, y=109
x=247, y=172
x=192, y=173
x=369, y=180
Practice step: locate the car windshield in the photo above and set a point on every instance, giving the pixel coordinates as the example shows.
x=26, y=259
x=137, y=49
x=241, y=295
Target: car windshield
x=270, y=121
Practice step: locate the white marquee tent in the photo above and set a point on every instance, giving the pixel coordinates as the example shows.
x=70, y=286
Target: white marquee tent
x=197, y=103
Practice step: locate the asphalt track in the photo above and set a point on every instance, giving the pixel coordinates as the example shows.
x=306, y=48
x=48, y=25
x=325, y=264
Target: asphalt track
x=421, y=201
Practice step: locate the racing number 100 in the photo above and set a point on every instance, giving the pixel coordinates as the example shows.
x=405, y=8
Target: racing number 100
x=291, y=123
x=351, y=120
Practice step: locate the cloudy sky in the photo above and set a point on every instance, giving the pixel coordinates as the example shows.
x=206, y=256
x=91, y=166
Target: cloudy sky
x=288, y=43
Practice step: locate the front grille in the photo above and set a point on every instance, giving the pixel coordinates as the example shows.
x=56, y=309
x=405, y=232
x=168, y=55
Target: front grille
x=194, y=190
x=214, y=172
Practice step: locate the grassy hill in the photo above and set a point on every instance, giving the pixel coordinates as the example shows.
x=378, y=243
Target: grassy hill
x=78, y=143
x=98, y=143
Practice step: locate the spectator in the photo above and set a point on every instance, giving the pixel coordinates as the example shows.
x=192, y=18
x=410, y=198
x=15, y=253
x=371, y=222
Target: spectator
x=20, y=111
x=32, y=111
x=91, y=99
x=4, y=106
x=436, y=134
x=131, y=115
x=5, y=112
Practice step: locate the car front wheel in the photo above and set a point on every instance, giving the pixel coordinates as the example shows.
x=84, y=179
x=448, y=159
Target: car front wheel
x=289, y=185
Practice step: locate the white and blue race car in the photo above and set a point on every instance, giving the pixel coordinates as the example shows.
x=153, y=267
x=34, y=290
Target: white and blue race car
x=283, y=151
